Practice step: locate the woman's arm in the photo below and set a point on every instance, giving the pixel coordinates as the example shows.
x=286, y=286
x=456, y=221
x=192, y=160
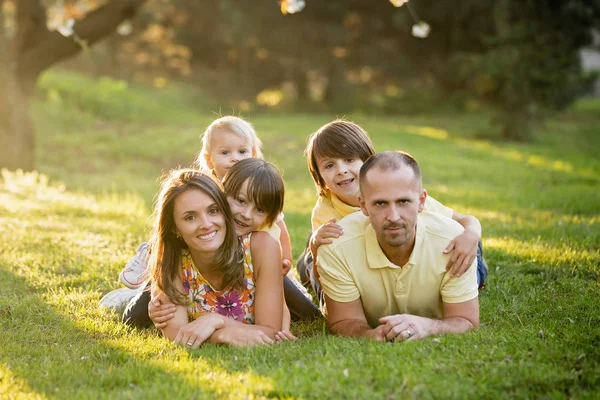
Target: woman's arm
x=189, y=334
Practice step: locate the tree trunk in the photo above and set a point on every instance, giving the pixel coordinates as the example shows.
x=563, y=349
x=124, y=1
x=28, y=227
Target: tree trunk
x=17, y=136
x=33, y=50
x=16, y=130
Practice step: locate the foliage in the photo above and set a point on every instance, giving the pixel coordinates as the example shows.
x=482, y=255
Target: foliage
x=347, y=56
x=515, y=55
x=63, y=245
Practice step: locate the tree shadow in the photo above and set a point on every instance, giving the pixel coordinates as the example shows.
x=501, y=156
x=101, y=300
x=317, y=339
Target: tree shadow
x=63, y=356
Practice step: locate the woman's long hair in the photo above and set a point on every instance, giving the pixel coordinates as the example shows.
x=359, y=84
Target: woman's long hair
x=166, y=247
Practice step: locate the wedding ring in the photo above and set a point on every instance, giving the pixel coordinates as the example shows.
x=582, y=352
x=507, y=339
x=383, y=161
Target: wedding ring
x=189, y=344
x=410, y=333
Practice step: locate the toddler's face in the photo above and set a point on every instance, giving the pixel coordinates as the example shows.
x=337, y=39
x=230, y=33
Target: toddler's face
x=227, y=148
x=341, y=177
x=248, y=217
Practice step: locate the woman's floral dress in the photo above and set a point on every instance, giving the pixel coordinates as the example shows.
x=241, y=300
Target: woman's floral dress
x=203, y=299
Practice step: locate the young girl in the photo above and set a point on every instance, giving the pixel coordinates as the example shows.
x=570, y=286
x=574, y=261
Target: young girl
x=335, y=154
x=255, y=192
x=225, y=290
x=226, y=141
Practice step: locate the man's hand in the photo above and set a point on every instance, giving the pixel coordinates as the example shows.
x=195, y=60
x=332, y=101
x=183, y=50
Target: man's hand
x=376, y=334
x=161, y=310
x=402, y=327
x=464, y=248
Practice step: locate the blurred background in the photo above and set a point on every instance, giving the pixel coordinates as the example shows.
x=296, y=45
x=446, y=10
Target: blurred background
x=521, y=60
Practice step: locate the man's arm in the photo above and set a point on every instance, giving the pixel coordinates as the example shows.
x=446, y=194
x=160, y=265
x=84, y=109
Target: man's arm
x=348, y=319
x=458, y=318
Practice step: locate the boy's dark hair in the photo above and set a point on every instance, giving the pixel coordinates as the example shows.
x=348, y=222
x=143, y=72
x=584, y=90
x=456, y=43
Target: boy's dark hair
x=265, y=185
x=337, y=139
x=389, y=160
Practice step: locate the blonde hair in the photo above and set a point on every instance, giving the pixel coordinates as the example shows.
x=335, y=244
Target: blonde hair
x=233, y=124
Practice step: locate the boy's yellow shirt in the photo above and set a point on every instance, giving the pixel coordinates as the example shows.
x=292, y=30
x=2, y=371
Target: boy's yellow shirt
x=332, y=207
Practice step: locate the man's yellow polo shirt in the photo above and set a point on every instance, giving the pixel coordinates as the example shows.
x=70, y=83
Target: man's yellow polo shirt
x=354, y=267
x=332, y=207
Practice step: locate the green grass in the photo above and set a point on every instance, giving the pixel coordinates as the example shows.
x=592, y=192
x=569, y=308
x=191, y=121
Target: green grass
x=67, y=231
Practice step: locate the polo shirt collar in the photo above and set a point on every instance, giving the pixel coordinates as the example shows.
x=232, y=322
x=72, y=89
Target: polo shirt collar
x=376, y=258
x=341, y=207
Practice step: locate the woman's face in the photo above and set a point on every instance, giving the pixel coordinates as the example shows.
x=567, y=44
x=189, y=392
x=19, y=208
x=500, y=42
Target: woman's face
x=199, y=221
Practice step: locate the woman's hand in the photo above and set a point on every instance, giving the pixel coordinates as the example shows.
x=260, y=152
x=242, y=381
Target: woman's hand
x=197, y=332
x=241, y=336
x=464, y=248
x=284, y=336
x=161, y=310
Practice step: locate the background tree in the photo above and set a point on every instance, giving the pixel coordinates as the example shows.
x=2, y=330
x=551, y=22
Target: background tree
x=29, y=50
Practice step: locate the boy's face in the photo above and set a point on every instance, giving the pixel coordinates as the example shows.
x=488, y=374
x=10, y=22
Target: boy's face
x=248, y=217
x=227, y=148
x=341, y=177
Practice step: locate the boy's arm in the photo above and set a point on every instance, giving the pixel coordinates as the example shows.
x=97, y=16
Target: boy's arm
x=464, y=246
x=324, y=234
x=286, y=247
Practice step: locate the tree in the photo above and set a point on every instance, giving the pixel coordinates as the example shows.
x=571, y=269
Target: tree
x=521, y=57
x=33, y=49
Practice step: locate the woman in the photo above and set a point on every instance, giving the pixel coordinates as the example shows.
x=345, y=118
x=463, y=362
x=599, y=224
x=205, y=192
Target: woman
x=225, y=290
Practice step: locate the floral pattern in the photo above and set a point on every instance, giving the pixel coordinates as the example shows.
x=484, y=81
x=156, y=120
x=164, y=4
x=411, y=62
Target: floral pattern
x=203, y=298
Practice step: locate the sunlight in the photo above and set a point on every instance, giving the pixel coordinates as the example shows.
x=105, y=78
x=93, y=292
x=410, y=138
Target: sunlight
x=10, y=384
x=31, y=191
x=269, y=97
x=540, y=252
x=508, y=154
x=427, y=131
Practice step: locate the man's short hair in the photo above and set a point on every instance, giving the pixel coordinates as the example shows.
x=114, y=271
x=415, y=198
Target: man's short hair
x=389, y=160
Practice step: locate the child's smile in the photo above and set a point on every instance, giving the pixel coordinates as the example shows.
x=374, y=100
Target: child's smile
x=341, y=177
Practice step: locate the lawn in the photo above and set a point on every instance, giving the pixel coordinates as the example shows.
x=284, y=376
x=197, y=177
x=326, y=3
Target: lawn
x=68, y=230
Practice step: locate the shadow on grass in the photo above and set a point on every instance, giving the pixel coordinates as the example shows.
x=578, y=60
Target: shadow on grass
x=49, y=354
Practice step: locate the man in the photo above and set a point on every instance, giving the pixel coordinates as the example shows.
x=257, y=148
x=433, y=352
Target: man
x=385, y=277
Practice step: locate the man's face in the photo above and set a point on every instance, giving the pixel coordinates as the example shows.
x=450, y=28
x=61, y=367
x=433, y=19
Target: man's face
x=392, y=200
